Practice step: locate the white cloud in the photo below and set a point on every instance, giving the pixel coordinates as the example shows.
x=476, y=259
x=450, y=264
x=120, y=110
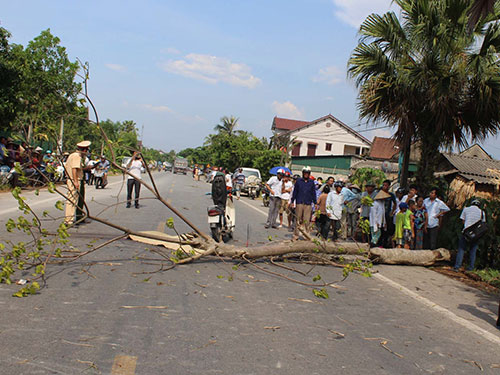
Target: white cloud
x=354, y=12
x=157, y=108
x=212, y=69
x=287, y=109
x=116, y=67
x=331, y=75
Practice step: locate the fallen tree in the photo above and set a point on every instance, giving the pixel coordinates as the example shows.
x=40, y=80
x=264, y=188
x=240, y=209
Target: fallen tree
x=44, y=249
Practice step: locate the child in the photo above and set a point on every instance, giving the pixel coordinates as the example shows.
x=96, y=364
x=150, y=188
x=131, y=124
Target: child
x=323, y=219
x=404, y=231
x=420, y=220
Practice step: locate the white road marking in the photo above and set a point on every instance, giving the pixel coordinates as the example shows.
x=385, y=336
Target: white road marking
x=457, y=319
x=463, y=322
x=255, y=208
x=53, y=199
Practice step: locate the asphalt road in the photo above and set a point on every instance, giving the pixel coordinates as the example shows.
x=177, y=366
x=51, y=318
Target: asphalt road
x=105, y=315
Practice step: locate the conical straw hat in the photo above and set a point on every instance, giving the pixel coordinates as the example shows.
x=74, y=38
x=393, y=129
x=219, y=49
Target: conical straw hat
x=382, y=195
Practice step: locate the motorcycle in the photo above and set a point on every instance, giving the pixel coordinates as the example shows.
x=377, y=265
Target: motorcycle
x=253, y=186
x=100, y=178
x=222, y=215
x=265, y=195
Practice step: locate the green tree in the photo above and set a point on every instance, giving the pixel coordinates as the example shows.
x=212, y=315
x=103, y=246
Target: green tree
x=364, y=175
x=48, y=90
x=428, y=77
x=227, y=125
x=10, y=76
x=267, y=160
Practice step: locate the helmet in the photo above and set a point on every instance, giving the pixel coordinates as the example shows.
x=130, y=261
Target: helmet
x=338, y=183
x=296, y=176
x=48, y=152
x=401, y=190
x=306, y=169
x=281, y=171
x=475, y=202
x=287, y=174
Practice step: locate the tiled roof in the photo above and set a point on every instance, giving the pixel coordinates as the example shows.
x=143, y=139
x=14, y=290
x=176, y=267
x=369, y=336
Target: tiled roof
x=294, y=125
x=383, y=148
x=287, y=124
x=476, y=169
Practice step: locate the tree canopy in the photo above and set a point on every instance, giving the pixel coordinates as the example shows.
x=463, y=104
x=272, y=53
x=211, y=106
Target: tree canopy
x=425, y=74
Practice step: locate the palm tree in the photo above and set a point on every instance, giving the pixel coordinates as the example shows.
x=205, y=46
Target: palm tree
x=425, y=74
x=480, y=9
x=285, y=143
x=227, y=125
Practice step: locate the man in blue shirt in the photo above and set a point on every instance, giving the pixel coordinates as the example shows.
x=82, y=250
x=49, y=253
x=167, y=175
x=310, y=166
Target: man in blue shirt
x=304, y=195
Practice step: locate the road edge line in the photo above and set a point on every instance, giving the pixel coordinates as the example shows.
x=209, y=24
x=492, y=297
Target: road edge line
x=457, y=319
x=255, y=208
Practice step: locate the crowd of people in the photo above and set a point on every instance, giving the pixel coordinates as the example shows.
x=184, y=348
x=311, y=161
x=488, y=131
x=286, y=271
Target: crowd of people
x=400, y=219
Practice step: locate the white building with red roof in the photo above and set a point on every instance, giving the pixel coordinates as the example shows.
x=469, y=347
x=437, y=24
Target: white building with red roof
x=322, y=137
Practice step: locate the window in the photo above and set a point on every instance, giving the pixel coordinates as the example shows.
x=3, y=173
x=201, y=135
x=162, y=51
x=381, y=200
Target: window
x=311, y=149
x=328, y=147
x=296, y=149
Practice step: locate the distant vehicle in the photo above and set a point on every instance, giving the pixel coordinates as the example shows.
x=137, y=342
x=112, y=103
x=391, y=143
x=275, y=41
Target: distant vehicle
x=180, y=166
x=252, y=180
x=167, y=166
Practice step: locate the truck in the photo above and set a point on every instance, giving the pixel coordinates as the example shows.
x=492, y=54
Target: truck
x=180, y=166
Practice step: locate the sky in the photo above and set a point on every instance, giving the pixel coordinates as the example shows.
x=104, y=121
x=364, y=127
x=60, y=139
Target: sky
x=177, y=67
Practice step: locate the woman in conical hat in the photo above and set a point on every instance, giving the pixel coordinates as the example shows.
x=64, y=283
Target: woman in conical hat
x=377, y=216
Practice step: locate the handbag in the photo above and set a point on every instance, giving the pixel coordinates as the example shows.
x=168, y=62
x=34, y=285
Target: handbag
x=476, y=231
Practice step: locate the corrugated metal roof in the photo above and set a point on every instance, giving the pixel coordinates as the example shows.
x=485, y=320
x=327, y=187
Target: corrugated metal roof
x=476, y=169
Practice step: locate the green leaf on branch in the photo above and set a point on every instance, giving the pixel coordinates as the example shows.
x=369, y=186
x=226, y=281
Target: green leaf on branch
x=321, y=293
x=59, y=205
x=317, y=278
x=170, y=223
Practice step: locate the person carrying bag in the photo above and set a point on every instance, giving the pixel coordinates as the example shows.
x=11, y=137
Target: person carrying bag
x=475, y=227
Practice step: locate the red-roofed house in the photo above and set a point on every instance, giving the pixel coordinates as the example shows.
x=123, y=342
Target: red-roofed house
x=325, y=136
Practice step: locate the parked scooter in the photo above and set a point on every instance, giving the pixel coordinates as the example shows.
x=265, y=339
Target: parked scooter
x=253, y=186
x=221, y=216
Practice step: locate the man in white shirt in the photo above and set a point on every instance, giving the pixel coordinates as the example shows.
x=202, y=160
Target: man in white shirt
x=134, y=167
x=286, y=190
x=436, y=208
x=274, y=185
x=334, y=207
x=470, y=216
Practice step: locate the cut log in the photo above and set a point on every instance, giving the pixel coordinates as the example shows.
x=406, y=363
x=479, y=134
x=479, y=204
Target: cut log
x=273, y=249
x=288, y=247
x=409, y=257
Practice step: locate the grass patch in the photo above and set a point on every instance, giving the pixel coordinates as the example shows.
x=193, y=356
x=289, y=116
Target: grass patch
x=489, y=275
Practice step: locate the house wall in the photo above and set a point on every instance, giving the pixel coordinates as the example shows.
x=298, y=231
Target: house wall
x=328, y=131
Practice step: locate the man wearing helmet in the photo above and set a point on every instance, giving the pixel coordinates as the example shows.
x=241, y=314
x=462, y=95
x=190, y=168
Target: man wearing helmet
x=470, y=216
x=304, y=195
x=274, y=185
